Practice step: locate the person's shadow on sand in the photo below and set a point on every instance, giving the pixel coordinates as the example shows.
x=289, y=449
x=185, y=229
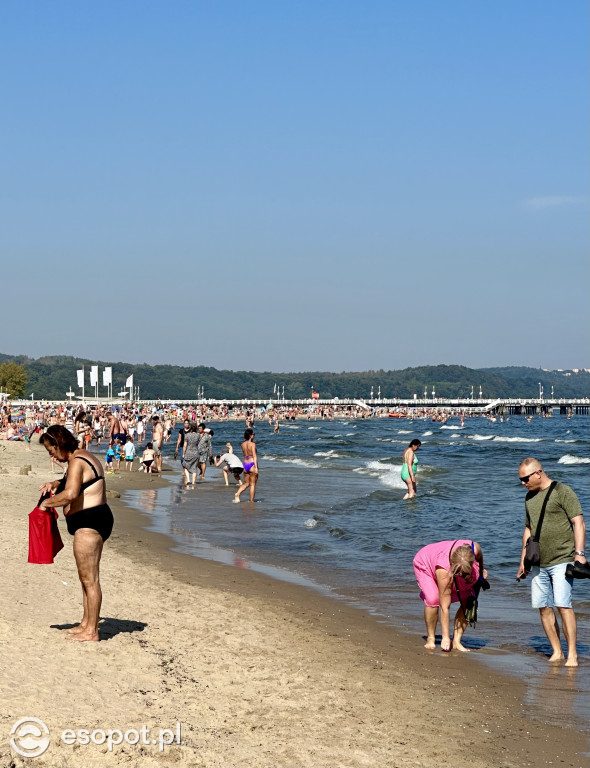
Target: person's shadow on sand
x=108, y=627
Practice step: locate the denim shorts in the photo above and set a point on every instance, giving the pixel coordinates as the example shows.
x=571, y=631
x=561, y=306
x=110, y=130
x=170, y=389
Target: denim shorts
x=550, y=588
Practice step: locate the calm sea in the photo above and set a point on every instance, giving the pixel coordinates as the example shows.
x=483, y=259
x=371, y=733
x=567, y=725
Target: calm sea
x=329, y=515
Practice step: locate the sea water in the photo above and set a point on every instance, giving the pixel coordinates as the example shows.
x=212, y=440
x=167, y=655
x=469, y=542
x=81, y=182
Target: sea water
x=329, y=515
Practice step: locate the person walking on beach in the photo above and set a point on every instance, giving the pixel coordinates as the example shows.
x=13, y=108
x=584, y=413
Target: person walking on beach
x=158, y=442
x=250, y=466
x=562, y=540
x=448, y=572
x=116, y=429
x=190, y=461
x=409, y=468
x=82, y=494
x=180, y=442
x=140, y=430
x=129, y=453
x=204, y=448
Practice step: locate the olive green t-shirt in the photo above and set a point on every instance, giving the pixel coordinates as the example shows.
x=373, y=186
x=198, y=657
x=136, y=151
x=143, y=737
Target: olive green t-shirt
x=557, y=536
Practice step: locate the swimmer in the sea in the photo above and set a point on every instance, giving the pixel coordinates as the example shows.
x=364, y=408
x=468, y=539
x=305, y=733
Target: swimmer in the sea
x=409, y=468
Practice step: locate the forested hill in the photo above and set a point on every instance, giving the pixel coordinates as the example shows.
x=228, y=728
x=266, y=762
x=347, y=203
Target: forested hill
x=52, y=377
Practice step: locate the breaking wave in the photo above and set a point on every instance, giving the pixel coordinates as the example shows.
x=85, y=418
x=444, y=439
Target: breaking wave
x=569, y=459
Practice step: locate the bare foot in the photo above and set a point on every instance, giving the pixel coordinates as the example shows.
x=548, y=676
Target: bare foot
x=84, y=637
x=460, y=647
x=407, y=496
x=572, y=661
x=236, y=498
x=430, y=644
x=558, y=656
x=76, y=630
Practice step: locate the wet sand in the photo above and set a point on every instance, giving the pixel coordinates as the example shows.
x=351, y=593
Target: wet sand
x=258, y=672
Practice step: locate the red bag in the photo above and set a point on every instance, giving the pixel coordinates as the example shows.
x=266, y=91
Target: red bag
x=44, y=537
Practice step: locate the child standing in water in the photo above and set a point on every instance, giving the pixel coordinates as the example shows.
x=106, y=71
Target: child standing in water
x=129, y=453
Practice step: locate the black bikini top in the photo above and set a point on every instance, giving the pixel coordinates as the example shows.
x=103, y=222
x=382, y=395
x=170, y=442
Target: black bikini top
x=84, y=486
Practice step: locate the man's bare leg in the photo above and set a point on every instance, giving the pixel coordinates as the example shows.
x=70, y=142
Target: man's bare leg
x=431, y=620
x=568, y=620
x=551, y=627
x=87, y=551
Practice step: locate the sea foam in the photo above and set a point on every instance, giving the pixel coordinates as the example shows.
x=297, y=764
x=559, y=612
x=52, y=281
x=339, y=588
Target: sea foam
x=569, y=459
x=499, y=439
x=387, y=474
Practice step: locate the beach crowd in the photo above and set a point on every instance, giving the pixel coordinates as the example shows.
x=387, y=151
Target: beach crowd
x=446, y=571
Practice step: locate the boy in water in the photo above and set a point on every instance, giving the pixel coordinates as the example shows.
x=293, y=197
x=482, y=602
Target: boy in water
x=108, y=462
x=129, y=453
x=118, y=450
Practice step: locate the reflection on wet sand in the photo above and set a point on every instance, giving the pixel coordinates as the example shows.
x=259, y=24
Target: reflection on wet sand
x=554, y=695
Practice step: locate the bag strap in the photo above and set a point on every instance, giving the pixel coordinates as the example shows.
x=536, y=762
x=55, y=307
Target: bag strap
x=458, y=594
x=542, y=515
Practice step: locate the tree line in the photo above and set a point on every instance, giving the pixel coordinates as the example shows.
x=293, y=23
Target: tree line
x=51, y=377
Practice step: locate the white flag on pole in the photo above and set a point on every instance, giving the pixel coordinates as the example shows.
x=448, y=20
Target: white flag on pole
x=93, y=375
x=107, y=377
x=80, y=374
x=129, y=382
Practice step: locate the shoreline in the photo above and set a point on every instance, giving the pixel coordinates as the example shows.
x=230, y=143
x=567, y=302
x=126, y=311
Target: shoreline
x=338, y=618
x=262, y=672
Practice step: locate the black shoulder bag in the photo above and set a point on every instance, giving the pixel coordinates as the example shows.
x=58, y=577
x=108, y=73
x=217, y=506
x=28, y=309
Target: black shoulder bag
x=532, y=552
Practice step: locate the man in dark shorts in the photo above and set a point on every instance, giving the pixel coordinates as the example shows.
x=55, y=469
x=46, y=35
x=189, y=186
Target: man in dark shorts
x=115, y=431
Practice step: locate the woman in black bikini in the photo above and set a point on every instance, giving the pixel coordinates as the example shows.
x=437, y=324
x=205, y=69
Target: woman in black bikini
x=82, y=494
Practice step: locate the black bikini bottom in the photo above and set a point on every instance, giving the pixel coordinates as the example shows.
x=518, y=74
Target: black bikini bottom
x=99, y=518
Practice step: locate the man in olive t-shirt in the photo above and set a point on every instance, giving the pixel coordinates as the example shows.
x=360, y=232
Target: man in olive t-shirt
x=561, y=541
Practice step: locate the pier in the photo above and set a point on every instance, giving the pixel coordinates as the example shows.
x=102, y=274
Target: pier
x=493, y=406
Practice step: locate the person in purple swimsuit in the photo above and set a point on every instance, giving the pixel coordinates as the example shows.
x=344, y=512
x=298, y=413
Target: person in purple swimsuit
x=250, y=466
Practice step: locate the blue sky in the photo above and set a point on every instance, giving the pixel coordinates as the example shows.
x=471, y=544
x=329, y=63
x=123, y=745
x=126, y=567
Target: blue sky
x=296, y=185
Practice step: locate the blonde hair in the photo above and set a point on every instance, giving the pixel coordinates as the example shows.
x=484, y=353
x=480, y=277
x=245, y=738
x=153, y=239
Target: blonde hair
x=462, y=560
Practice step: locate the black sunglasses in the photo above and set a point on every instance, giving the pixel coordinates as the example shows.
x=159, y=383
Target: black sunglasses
x=526, y=478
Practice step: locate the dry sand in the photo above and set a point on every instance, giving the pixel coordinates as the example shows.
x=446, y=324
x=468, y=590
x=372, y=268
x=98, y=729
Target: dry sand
x=258, y=673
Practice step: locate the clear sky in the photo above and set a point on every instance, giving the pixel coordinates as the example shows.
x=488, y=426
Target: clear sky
x=297, y=185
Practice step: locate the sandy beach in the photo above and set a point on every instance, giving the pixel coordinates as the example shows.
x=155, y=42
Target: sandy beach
x=257, y=672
